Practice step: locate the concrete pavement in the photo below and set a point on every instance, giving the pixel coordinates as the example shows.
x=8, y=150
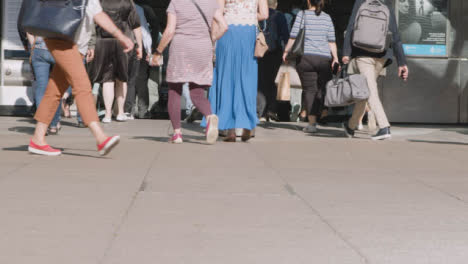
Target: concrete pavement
x=284, y=197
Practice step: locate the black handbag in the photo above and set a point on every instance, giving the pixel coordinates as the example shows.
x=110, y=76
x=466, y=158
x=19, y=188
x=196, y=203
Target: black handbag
x=297, y=49
x=55, y=19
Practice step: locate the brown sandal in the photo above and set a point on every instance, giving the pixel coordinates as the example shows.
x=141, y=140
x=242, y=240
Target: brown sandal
x=246, y=135
x=231, y=136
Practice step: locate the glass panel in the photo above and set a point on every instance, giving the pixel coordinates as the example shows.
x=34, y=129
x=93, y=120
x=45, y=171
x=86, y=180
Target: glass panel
x=423, y=26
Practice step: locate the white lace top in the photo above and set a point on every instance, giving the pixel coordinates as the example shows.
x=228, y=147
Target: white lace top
x=241, y=12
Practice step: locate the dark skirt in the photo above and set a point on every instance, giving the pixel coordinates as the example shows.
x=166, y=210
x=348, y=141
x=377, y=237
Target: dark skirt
x=110, y=62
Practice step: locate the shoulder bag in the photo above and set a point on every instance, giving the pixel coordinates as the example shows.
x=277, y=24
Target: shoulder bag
x=261, y=46
x=55, y=19
x=297, y=49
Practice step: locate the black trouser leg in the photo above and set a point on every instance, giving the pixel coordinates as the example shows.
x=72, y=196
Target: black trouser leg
x=133, y=65
x=142, y=88
x=314, y=72
x=268, y=68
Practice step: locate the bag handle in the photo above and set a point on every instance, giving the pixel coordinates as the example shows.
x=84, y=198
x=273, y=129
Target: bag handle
x=343, y=73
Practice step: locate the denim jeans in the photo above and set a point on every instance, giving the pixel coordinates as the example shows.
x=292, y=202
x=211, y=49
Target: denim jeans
x=42, y=62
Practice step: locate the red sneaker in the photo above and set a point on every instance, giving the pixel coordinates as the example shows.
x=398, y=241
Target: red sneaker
x=46, y=150
x=105, y=147
x=176, y=139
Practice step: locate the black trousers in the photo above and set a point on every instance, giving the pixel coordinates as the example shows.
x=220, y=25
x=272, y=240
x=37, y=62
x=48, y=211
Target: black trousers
x=314, y=72
x=268, y=68
x=138, y=85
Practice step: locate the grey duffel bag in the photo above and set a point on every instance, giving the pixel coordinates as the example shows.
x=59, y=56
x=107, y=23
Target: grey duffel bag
x=347, y=89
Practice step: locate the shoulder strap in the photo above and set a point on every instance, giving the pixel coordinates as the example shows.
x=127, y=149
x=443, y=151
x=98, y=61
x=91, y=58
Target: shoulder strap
x=303, y=23
x=203, y=15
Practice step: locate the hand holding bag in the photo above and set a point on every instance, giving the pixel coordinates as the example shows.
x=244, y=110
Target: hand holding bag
x=297, y=49
x=294, y=80
x=284, y=87
x=55, y=19
x=347, y=89
x=261, y=46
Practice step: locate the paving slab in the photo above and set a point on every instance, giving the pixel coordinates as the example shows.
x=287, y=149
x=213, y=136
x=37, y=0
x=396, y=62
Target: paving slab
x=198, y=228
x=284, y=197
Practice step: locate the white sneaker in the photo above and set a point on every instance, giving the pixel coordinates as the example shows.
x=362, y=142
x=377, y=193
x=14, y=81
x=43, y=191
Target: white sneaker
x=106, y=120
x=360, y=127
x=121, y=118
x=310, y=129
x=129, y=116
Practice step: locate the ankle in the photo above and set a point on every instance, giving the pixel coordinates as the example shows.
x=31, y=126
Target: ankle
x=39, y=141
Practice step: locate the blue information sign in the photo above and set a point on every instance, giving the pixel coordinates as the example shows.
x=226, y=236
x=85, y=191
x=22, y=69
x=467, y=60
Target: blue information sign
x=425, y=50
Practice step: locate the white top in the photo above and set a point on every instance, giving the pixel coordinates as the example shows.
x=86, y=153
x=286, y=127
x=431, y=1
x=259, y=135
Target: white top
x=241, y=12
x=83, y=35
x=147, y=40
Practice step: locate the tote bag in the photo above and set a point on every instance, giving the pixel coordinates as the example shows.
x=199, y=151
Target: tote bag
x=284, y=87
x=55, y=19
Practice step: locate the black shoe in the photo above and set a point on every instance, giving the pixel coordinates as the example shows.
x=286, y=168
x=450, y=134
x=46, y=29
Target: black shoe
x=272, y=116
x=194, y=115
x=348, y=131
x=383, y=133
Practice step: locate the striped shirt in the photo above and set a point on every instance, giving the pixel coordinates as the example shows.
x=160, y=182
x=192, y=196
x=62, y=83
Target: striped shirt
x=319, y=31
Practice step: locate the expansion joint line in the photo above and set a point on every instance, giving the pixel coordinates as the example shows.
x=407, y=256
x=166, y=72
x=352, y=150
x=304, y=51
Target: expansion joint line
x=129, y=208
x=293, y=192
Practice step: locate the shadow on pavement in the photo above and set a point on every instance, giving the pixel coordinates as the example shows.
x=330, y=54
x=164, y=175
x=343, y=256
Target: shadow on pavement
x=19, y=148
x=83, y=155
x=271, y=125
x=187, y=139
x=24, y=148
x=438, y=142
x=22, y=129
x=158, y=139
x=28, y=120
x=328, y=133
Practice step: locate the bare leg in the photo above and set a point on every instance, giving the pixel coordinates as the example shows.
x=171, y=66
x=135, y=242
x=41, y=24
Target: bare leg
x=120, y=93
x=108, y=93
x=39, y=134
x=97, y=131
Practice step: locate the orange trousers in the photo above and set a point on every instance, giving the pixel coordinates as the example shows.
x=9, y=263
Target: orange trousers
x=69, y=70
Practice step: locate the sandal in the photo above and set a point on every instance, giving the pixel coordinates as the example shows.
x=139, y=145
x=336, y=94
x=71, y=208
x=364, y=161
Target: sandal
x=246, y=135
x=53, y=131
x=231, y=136
x=65, y=109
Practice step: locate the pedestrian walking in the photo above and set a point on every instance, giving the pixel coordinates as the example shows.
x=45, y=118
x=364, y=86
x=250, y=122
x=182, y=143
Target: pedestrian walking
x=233, y=95
x=70, y=70
x=320, y=56
x=277, y=35
x=42, y=63
x=191, y=58
x=111, y=66
x=371, y=62
x=138, y=84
